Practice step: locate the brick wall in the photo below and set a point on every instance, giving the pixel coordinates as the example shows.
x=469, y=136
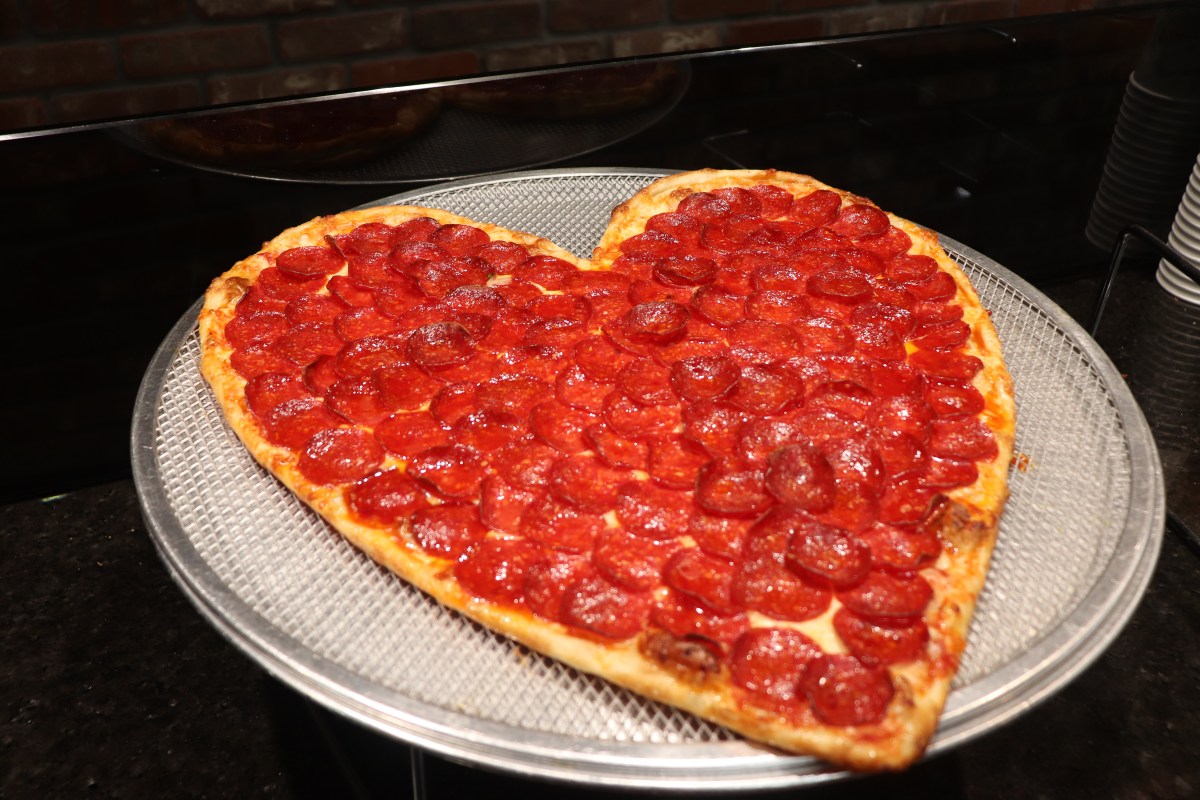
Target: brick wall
x=65, y=61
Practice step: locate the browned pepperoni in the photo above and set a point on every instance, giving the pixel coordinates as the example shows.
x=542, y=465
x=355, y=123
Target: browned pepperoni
x=407, y=258
x=614, y=449
x=674, y=461
x=687, y=618
x=799, y=475
x=548, y=580
x=875, y=315
x=855, y=459
x=705, y=207
x=768, y=663
x=940, y=287
x=713, y=426
x=898, y=548
x=909, y=269
x=605, y=609
x=899, y=451
x=599, y=359
x=763, y=391
x=952, y=399
x=703, y=577
x=460, y=240
x=759, y=342
x=773, y=200
x=345, y=290
x=526, y=464
x=314, y=308
x=878, y=342
x=549, y=272
x=946, y=336
x=438, y=278
x=561, y=526
x=560, y=426
x=758, y=438
x=638, y=422
x=257, y=360
x=307, y=342
x=364, y=357
x=452, y=470
x=722, y=536
x=418, y=229
x=860, y=219
x=679, y=227
x=905, y=499
x=843, y=691
x=358, y=400
x=654, y=244
x=843, y=284
x=855, y=506
x=646, y=382
x=828, y=554
x=474, y=300
x=309, y=262
x=824, y=335
x=962, y=437
x=632, y=561
x=654, y=323
x=293, y=422
x=778, y=276
x=584, y=483
x=891, y=242
x=950, y=366
x=386, y=498
x=576, y=389
x=875, y=643
x=686, y=270
x=339, y=455
x=495, y=569
x=277, y=284
x=404, y=387
x=268, y=390
x=447, y=530
x=718, y=305
x=946, y=473
x=371, y=271
x=487, y=430
x=728, y=486
x=453, y=402
x=439, y=344
x=766, y=586
x=501, y=504
x=905, y=414
x=775, y=305
x=885, y=594
x=502, y=258
x=816, y=208
x=263, y=327
x=703, y=377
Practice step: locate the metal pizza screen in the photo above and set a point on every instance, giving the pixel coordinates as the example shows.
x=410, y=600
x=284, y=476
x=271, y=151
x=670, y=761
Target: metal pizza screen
x=1062, y=524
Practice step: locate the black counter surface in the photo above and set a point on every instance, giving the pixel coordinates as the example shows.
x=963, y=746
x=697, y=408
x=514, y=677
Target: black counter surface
x=112, y=685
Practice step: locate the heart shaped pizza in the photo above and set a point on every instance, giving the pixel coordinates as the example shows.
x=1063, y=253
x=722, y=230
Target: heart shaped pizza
x=749, y=460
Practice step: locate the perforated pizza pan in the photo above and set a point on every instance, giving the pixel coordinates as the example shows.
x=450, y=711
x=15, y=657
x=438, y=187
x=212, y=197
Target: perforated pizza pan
x=1077, y=545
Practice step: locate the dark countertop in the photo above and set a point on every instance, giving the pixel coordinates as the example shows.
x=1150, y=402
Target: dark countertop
x=112, y=685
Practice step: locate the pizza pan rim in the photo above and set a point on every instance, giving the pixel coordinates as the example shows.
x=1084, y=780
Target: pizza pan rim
x=971, y=711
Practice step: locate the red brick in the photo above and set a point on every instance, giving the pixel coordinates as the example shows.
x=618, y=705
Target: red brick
x=195, y=50
x=283, y=83
x=968, y=11
x=786, y=6
x=343, y=35
x=437, y=27
x=22, y=112
x=677, y=40
x=227, y=9
x=79, y=16
x=1031, y=7
x=124, y=102
x=414, y=70
x=48, y=66
x=691, y=10
x=576, y=16
x=540, y=55
x=876, y=18
x=793, y=29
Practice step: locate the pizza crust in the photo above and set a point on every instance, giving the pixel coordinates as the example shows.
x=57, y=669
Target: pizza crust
x=666, y=669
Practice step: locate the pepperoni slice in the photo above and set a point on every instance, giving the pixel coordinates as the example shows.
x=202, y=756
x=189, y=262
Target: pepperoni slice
x=277, y=284
x=768, y=663
x=487, y=430
x=460, y=240
x=561, y=526
x=348, y=292
x=308, y=341
x=398, y=298
x=843, y=284
x=314, y=308
x=940, y=287
x=501, y=504
x=309, y=262
x=632, y=561
x=584, y=483
x=895, y=380
x=728, y=486
x=951, y=366
x=358, y=400
x=369, y=270
x=447, y=530
x=440, y=344
x=512, y=394
x=257, y=360
x=764, y=585
x=606, y=609
x=655, y=244
x=404, y=387
x=680, y=227
x=560, y=306
x=614, y=449
x=407, y=435
x=548, y=580
x=526, y=464
x=703, y=577
x=646, y=383
x=962, y=437
x=293, y=423
x=576, y=389
x=495, y=569
x=674, y=461
x=268, y=390
x=827, y=554
x=878, y=342
x=946, y=336
x=824, y=335
x=947, y=473
x=843, y=691
x=439, y=278
x=888, y=244
x=774, y=201
x=705, y=207
x=718, y=305
x=762, y=391
x=910, y=415
x=860, y=219
x=686, y=618
x=814, y=209
x=657, y=323
x=713, y=426
x=453, y=470
x=722, y=536
x=651, y=512
x=592, y=283
x=905, y=499
x=951, y=399
x=875, y=315
x=418, y=229
x=262, y=327
x=453, y=402
x=560, y=426
x=898, y=548
x=762, y=343
x=385, y=498
x=639, y=422
x=885, y=594
x=758, y=438
x=364, y=357
x=599, y=360
x=704, y=377
x=339, y=455
x=686, y=270
x=502, y=258
x=772, y=305
x=549, y=272
x=876, y=643
x=800, y=475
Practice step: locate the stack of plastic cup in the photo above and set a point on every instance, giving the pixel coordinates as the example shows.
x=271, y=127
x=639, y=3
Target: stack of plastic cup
x=1185, y=238
x=1154, y=144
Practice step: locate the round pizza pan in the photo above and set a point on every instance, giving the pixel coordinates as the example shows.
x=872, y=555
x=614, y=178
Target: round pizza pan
x=1077, y=545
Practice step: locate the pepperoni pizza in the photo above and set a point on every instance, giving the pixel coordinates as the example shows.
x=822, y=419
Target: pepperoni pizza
x=749, y=460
